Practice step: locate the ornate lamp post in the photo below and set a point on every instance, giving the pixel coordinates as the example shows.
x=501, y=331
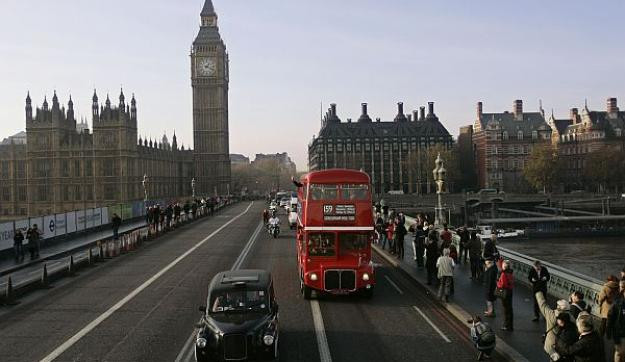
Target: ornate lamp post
x=440, y=174
x=193, y=188
x=145, y=189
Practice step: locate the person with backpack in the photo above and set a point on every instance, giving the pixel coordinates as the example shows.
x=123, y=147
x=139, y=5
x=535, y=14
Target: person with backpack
x=615, y=327
x=483, y=338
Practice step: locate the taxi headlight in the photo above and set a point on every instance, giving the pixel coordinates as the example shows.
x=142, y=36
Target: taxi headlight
x=268, y=340
x=313, y=277
x=201, y=342
x=365, y=277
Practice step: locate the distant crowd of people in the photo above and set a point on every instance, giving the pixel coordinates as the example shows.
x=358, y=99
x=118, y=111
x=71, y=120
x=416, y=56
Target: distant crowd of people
x=571, y=334
x=164, y=217
x=33, y=239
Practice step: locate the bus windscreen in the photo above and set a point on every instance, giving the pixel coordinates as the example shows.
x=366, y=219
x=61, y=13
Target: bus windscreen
x=321, y=244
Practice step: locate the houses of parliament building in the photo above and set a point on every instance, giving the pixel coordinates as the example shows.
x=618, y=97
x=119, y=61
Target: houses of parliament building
x=58, y=164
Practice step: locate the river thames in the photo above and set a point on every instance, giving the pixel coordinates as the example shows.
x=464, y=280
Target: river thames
x=596, y=257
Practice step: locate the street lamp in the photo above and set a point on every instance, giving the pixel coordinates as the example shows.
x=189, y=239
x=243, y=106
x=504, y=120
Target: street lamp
x=193, y=188
x=440, y=174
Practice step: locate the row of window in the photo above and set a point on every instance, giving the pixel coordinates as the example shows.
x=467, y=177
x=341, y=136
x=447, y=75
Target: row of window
x=508, y=149
x=586, y=136
x=507, y=165
x=498, y=136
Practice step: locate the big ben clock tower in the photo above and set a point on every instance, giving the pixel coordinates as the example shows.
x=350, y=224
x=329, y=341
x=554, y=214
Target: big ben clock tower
x=209, y=80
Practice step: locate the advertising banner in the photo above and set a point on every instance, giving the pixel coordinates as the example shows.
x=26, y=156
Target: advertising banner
x=105, y=216
x=48, y=228
x=80, y=220
x=97, y=217
x=22, y=224
x=61, y=225
x=71, y=222
x=6, y=235
x=88, y=218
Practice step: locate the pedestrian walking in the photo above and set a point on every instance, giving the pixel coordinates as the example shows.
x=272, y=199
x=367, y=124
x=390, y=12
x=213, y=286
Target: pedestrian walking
x=18, y=245
x=419, y=245
x=379, y=228
x=390, y=232
x=578, y=304
x=33, y=242
x=475, y=255
x=116, y=221
x=490, y=285
x=565, y=333
x=538, y=278
x=607, y=296
x=490, y=249
x=505, y=287
x=464, y=244
x=562, y=306
x=400, y=233
x=483, y=338
x=445, y=265
x=431, y=255
x=615, y=327
x=588, y=348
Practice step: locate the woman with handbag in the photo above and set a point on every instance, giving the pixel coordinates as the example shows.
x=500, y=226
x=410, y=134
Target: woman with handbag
x=505, y=286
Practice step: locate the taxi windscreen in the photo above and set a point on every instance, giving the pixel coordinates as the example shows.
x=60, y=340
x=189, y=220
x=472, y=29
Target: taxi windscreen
x=238, y=300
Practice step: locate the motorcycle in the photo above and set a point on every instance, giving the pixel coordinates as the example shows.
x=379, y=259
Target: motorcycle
x=274, y=230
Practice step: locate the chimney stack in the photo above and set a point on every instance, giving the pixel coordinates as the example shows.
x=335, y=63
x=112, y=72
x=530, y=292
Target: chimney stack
x=364, y=117
x=415, y=115
x=333, y=108
x=421, y=113
x=400, y=117
x=409, y=117
x=518, y=110
x=479, y=110
x=612, y=106
x=574, y=115
x=430, y=109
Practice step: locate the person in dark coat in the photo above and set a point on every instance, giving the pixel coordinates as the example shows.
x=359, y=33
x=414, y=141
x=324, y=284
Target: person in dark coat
x=18, y=245
x=538, y=278
x=588, y=348
x=565, y=332
x=464, y=244
x=615, y=327
x=116, y=221
x=419, y=245
x=431, y=250
x=475, y=256
x=400, y=233
x=490, y=249
x=578, y=304
x=490, y=284
x=33, y=241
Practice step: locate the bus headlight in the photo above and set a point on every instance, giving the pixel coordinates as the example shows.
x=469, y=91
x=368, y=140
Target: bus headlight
x=365, y=277
x=201, y=342
x=268, y=340
x=313, y=277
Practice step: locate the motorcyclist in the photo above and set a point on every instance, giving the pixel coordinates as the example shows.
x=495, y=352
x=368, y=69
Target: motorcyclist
x=274, y=221
x=265, y=216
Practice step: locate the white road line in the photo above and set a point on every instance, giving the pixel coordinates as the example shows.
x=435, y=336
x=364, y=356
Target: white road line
x=320, y=331
x=432, y=324
x=186, y=352
x=89, y=327
x=391, y=282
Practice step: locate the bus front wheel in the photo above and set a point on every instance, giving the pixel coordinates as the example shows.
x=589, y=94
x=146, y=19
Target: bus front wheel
x=306, y=291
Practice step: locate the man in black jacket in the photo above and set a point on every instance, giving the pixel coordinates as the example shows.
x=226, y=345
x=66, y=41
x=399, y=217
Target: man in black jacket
x=578, y=304
x=538, y=277
x=615, y=329
x=588, y=348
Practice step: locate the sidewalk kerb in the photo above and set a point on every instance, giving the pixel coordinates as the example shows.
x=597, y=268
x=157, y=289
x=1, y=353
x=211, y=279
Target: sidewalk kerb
x=455, y=310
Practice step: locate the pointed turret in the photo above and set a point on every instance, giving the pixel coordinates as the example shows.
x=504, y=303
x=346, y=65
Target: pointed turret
x=29, y=108
x=174, y=141
x=95, y=112
x=208, y=15
x=122, y=100
x=107, y=103
x=55, y=99
x=208, y=9
x=70, y=109
x=133, y=108
x=45, y=103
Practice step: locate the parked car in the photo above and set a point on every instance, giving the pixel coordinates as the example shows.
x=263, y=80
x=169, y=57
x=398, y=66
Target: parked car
x=240, y=319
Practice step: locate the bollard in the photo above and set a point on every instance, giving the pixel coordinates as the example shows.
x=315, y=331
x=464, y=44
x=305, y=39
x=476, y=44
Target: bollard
x=90, y=257
x=9, y=297
x=45, y=283
x=101, y=256
x=70, y=267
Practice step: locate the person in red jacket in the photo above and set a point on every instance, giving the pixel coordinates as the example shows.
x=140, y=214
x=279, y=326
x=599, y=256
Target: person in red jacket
x=505, y=286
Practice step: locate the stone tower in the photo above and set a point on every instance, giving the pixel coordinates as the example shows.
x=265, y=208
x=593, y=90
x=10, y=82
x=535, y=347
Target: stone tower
x=209, y=80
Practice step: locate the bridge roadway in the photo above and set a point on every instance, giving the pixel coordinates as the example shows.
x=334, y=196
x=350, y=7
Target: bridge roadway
x=143, y=306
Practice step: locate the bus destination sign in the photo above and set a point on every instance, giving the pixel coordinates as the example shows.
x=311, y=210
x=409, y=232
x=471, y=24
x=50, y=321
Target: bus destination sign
x=339, y=212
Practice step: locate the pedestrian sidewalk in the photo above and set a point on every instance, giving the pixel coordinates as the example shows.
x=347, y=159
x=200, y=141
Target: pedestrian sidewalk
x=51, y=249
x=469, y=297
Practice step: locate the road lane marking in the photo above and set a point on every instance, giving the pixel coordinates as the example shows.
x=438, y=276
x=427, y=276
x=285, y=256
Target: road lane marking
x=432, y=324
x=187, y=350
x=391, y=282
x=89, y=327
x=320, y=332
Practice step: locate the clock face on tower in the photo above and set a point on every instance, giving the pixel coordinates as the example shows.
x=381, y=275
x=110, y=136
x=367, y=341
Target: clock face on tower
x=206, y=67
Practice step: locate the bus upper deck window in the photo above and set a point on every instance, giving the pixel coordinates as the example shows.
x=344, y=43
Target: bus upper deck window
x=324, y=192
x=354, y=192
x=321, y=244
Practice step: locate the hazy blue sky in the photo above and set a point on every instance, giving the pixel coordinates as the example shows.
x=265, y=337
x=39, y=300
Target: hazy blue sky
x=288, y=56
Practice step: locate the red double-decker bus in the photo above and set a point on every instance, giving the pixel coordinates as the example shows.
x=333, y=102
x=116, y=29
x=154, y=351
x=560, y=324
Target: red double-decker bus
x=334, y=233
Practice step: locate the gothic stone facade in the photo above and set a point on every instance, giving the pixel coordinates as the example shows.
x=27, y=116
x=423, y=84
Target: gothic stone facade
x=63, y=166
x=378, y=148
x=209, y=79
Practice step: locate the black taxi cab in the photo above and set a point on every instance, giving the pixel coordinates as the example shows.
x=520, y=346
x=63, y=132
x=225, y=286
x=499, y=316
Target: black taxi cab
x=240, y=319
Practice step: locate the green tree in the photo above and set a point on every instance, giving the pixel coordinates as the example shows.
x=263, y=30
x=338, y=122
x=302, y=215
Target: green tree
x=605, y=168
x=542, y=168
x=420, y=164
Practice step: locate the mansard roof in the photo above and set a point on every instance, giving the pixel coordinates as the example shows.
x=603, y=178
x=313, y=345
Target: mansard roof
x=425, y=128
x=506, y=121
